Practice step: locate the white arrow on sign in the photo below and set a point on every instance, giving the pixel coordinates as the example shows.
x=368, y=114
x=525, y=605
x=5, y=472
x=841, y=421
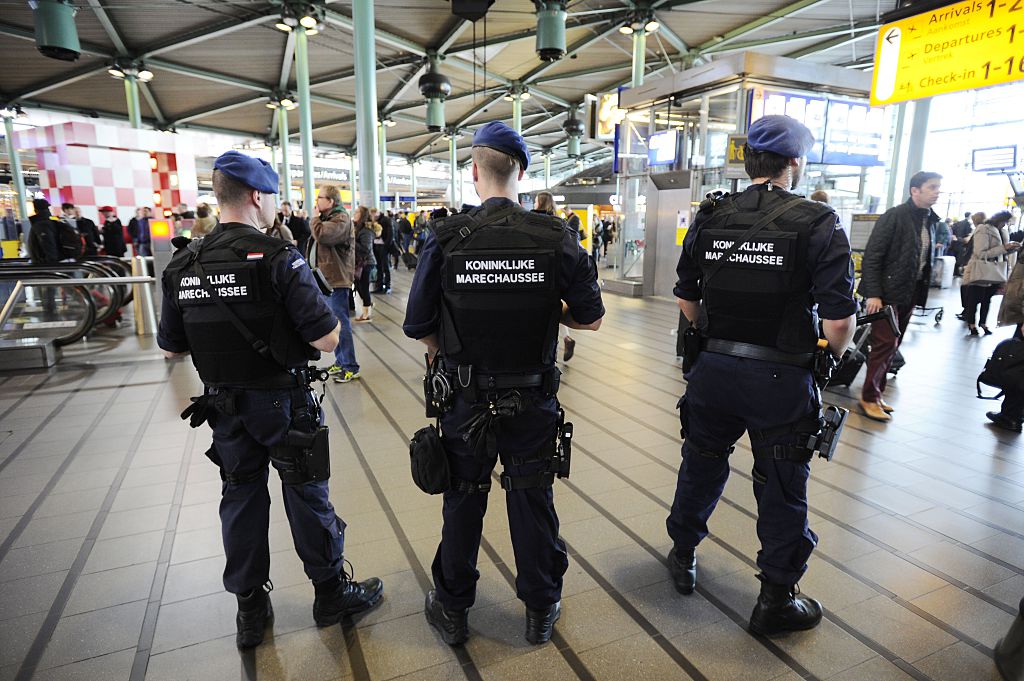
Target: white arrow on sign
x=888, y=64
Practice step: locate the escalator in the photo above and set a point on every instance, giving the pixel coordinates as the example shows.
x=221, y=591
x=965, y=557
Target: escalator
x=39, y=314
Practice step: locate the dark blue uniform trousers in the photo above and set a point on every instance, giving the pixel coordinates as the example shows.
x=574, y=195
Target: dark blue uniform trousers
x=242, y=441
x=541, y=559
x=724, y=397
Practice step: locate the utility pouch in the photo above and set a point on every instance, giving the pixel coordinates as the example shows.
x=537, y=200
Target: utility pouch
x=691, y=348
x=321, y=282
x=437, y=390
x=827, y=439
x=825, y=364
x=429, y=461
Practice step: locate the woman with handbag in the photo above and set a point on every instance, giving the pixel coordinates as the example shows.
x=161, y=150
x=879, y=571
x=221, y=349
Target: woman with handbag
x=987, y=270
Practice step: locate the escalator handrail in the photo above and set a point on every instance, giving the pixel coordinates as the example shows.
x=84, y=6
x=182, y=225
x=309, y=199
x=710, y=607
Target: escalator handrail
x=84, y=327
x=117, y=293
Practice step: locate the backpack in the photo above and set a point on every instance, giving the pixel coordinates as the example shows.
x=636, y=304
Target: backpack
x=1004, y=369
x=72, y=244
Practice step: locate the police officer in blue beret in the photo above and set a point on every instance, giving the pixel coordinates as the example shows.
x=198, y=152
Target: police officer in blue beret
x=247, y=308
x=757, y=271
x=491, y=287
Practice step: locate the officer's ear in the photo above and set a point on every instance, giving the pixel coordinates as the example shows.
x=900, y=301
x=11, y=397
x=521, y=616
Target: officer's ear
x=476, y=173
x=522, y=171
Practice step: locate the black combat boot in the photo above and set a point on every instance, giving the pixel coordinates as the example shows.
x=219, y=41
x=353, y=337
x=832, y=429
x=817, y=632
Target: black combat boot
x=453, y=625
x=1004, y=422
x=682, y=565
x=254, y=611
x=342, y=596
x=1010, y=649
x=783, y=608
x=540, y=624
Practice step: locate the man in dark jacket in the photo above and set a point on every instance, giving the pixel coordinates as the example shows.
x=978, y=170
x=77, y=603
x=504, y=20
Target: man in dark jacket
x=44, y=239
x=895, y=271
x=113, y=233
x=86, y=228
x=299, y=226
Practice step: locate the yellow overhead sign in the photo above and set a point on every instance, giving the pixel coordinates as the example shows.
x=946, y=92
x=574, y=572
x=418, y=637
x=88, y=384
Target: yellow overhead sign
x=964, y=46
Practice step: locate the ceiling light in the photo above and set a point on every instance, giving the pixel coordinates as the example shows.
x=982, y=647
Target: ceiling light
x=524, y=95
x=115, y=72
x=651, y=26
x=308, y=21
x=271, y=104
x=311, y=31
x=281, y=26
x=287, y=103
x=626, y=30
x=388, y=122
x=508, y=97
x=145, y=75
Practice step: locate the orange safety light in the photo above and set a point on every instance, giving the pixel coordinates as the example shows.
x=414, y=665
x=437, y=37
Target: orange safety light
x=160, y=229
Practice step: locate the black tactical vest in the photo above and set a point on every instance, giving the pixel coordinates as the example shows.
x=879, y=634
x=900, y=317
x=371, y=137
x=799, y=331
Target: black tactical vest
x=237, y=264
x=762, y=294
x=501, y=300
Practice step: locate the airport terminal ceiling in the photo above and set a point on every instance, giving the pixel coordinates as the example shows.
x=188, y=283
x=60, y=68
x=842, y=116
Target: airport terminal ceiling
x=216, y=63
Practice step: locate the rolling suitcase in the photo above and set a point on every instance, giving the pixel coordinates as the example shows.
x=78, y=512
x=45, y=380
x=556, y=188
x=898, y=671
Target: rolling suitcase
x=409, y=260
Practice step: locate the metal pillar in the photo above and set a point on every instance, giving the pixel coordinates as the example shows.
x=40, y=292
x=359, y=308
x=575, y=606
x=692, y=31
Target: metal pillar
x=547, y=170
x=897, y=149
x=382, y=143
x=286, y=169
x=517, y=114
x=918, y=135
x=412, y=182
x=639, y=57
x=305, y=119
x=705, y=111
x=131, y=93
x=19, y=180
x=366, y=98
x=453, y=168
x=352, y=184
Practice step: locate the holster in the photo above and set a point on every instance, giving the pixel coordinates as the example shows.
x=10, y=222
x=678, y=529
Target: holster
x=691, y=348
x=429, y=461
x=303, y=457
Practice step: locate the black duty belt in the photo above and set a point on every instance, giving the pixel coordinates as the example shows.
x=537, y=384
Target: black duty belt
x=509, y=381
x=759, y=352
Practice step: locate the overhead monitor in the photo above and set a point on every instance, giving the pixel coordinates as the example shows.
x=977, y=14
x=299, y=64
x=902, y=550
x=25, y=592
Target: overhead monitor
x=662, y=147
x=994, y=159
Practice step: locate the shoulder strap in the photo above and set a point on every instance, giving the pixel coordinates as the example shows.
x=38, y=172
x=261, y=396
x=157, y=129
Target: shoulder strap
x=745, y=237
x=452, y=242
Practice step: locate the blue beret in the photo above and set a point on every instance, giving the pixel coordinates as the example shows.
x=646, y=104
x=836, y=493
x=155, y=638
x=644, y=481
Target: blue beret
x=781, y=135
x=500, y=137
x=252, y=172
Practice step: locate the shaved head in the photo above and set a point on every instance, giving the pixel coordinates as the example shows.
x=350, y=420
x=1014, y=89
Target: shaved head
x=495, y=166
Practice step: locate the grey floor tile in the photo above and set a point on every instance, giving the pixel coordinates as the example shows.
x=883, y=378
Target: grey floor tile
x=39, y=560
x=958, y=662
x=135, y=521
x=644, y=658
x=17, y=635
x=832, y=586
x=124, y=551
x=875, y=669
x=103, y=668
x=838, y=505
x=592, y=619
x=969, y=614
x=628, y=568
x=826, y=650
x=307, y=654
x=544, y=662
x=969, y=568
x=196, y=578
x=496, y=633
x=900, y=630
x=1008, y=591
x=80, y=637
x=141, y=497
x=954, y=525
x=897, y=533
x=724, y=652
x=55, y=528
x=895, y=574
x=215, y=660
x=446, y=671
x=29, y=595
x=594, y=535
x=98, y=590
x=204, y=543
x=421, y=648
x=671, y=613
x=839, y=543
x=194, y=621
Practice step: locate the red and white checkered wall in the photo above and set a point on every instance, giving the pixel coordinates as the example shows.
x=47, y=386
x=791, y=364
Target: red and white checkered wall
x=92, y=165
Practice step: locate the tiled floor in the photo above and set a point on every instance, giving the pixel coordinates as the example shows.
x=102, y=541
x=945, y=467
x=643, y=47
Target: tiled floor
x=110, y=552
